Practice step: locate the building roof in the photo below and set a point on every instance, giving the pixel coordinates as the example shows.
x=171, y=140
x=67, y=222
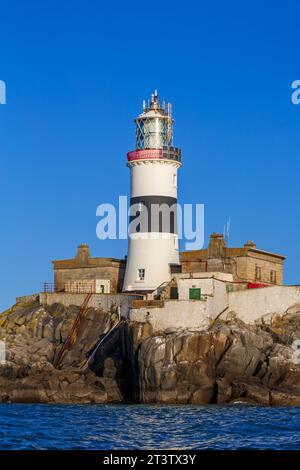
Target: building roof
x=83, y=259
x=227, y=252
x=91, y=263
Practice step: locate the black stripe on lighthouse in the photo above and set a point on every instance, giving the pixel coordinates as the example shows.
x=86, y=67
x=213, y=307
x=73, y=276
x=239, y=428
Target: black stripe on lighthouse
x=157, y=213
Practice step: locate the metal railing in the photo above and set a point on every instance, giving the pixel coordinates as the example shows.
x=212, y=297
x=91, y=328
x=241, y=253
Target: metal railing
x=165, y=153
x=72, y=288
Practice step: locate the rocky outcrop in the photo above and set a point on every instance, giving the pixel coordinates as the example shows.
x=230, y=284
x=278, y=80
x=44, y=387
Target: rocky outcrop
x=227, y=362
x=230, y=361
x=33, y=335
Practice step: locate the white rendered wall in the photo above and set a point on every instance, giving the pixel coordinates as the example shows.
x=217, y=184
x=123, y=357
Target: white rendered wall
x=184, y=286
x=212, y=290
x=102, y=282
x=252, y=304
x=153, y=178
x=226, y=277
x=179, y=314
x=152, y=252
x=105, y=301
x=88, y=285
x=183, y=314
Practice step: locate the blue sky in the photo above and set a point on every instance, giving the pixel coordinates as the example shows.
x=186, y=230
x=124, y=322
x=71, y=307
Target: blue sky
x=76, y=74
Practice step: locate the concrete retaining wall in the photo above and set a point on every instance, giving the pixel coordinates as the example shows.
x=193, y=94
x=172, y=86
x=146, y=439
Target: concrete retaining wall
x=252, y=304
x=27, y=298
x=175, y=314
x=186, y=313
x=105, y=301
x=249, y=305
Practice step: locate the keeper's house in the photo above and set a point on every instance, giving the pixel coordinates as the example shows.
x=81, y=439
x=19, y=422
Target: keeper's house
x=246, y=264
x=84, y=274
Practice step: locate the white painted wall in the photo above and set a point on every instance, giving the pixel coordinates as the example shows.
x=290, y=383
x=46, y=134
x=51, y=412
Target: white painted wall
x=85, y=286
x=251, y=304
x=186, y=313
x=179, y=314
x=153, y=255
x=184, y=286
x=106, y=286
x=105, y=301
x=151, y=178
x=219, y=301
x=213, y=290
x=227, y=277
x=151, y=251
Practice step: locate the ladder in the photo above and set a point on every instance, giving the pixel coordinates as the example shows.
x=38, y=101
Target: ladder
x=73, y=334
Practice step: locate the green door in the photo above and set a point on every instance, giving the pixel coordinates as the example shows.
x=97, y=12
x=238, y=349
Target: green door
x=195, y=293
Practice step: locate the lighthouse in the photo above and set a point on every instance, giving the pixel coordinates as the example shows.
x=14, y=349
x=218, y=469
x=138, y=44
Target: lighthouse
x=153, y=233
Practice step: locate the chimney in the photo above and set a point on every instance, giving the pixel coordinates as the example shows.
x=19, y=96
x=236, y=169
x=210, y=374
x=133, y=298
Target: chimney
x=83, y=253
x=217, y=245
x=250, y=244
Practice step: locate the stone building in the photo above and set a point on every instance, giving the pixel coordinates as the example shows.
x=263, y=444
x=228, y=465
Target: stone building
x=247, y=263
x=86, y=274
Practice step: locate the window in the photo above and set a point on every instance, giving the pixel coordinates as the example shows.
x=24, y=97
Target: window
x=273, y=276
x=141, y=274
x=175, y=180
x=102, y=286
x=257, y=273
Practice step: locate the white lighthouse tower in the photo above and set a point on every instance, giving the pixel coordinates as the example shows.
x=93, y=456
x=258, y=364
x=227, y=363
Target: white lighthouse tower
x=153, y=234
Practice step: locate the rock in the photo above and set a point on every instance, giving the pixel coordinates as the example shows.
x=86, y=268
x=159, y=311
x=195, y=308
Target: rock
x=224, y=391
x=110, y=370
x=294, y=309
x=279, y=398
x=33, y=333
x=48, y=332
x=258, y=394
x=166, y=396
x=169, y=378
x=202, y=395
x=170, y=331
x=227, y=362
x=111, y=388
x=99, y=397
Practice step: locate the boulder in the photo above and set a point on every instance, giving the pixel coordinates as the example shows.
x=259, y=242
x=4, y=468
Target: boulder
x=33, y=335
x=227, y=362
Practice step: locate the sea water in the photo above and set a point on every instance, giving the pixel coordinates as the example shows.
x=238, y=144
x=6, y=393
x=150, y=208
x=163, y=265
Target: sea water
x=36, y=426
